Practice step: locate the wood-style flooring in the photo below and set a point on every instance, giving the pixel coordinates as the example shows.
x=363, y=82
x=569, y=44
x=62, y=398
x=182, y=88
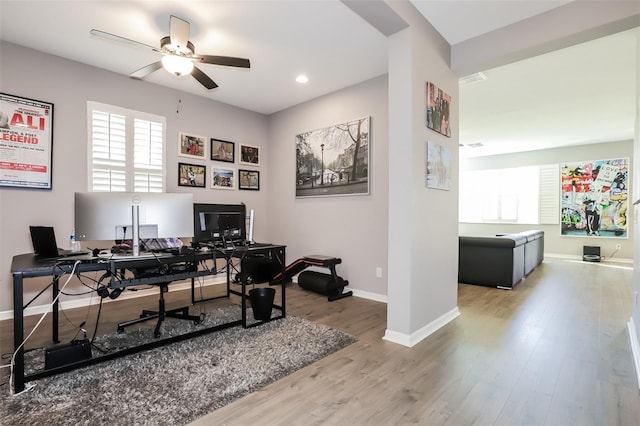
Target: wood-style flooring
x=553, y=351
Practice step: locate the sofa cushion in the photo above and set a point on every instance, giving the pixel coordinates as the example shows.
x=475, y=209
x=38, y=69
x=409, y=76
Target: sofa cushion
x=507, y=241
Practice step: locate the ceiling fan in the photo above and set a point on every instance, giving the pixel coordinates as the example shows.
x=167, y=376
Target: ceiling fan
x=178, y=52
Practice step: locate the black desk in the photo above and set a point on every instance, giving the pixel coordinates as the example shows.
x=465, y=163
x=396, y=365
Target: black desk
x=26, y=266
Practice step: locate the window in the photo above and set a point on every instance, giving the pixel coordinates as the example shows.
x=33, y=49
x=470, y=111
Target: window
x=126, y=149
x=526, y=195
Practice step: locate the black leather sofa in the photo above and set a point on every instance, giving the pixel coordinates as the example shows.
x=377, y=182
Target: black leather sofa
x=500, y=261
x=533, y=250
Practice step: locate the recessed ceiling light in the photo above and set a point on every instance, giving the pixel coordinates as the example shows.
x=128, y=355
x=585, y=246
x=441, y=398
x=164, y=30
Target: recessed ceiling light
x=302, y=79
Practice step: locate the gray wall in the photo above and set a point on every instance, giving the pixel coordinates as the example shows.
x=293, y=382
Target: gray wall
x=554, y=242
x=353, y=228
x=69, y=85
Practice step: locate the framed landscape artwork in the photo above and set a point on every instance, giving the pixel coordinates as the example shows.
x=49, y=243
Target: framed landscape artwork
x=192, y=175
x=333, y=161
x=191, y=146
x=595, y=198
x=249, y=179
x=222, y=150
x=222, y=178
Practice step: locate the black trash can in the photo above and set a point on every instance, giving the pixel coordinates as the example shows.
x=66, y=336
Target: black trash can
x=262, y=302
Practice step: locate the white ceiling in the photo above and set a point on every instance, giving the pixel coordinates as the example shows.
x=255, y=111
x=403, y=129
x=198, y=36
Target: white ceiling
x=577, y=95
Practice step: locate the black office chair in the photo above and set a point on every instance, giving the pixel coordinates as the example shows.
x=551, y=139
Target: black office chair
x=161, y=313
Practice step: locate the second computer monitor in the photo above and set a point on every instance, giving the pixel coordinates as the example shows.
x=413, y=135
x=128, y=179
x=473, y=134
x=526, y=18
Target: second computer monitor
x=218, y=223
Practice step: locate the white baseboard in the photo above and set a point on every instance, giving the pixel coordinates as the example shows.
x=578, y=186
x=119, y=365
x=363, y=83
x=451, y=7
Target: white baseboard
x=635, y=347
x=579, y=257
x=412, y=339
x=87, y=301
x=368, y=295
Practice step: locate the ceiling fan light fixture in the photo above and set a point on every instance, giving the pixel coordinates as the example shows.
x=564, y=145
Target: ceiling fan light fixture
x=178, y=54
x=177, y=65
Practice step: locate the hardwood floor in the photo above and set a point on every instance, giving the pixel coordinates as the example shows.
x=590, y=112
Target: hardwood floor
x=553, y=351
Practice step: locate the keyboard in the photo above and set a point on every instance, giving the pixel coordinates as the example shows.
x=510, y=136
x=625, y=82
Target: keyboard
x=129, y=256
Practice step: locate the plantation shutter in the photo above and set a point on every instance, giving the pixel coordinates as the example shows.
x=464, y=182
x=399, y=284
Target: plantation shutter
x=549, y=207
x=148, y=156
x=126, y=150
x=108, y=151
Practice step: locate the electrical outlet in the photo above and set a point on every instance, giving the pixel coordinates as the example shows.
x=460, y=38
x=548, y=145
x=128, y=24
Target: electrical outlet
x=378, y=272
x=618, y=246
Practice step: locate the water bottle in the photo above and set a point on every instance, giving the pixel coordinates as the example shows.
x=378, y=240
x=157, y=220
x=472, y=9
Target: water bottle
x=74, y=245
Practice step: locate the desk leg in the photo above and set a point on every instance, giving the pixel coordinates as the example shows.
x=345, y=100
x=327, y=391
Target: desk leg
x=228, y=268
x=281, y=256
x=244, y=300
x=193, y=291
x=18, y=333
x=55, y=309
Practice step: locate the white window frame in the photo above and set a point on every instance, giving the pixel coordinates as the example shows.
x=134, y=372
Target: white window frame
x=129, y=169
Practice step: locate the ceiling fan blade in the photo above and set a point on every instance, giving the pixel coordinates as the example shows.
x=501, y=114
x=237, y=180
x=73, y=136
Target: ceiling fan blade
x=203, y=78
x=146, y=70
x=178, y=31
x=223, y=60
x=119, y=39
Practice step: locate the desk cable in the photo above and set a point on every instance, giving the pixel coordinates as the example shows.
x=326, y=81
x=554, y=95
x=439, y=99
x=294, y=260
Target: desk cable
x=13, y=357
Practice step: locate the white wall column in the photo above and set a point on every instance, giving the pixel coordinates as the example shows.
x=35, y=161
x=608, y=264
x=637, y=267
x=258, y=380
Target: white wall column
x=423, y=222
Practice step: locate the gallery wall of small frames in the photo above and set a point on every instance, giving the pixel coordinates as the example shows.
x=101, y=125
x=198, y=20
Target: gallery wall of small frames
x=197, y=151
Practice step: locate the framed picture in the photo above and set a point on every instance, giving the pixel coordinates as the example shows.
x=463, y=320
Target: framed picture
x=192, y=175
x=438, y=106
x=26, y=132
x=595, y=198
x=249, y=155
x=333, y=160
x=438, y=166
x=222, y=178
x=222, y=150
x=192, y=146
x=249, y=179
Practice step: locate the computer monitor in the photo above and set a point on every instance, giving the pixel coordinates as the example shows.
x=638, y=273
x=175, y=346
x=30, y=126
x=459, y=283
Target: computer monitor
x=111, y=215
x=218, y=223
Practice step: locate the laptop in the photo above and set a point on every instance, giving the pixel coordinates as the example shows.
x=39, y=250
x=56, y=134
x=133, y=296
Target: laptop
x=44, y=243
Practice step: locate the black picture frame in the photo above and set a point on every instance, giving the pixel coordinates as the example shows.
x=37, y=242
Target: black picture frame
x=222, y=150
x=199, y=178
x=26, y=128
x=249, y=180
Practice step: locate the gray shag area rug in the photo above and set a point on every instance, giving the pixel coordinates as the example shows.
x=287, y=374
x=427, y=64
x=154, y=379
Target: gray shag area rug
x=174, y=384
